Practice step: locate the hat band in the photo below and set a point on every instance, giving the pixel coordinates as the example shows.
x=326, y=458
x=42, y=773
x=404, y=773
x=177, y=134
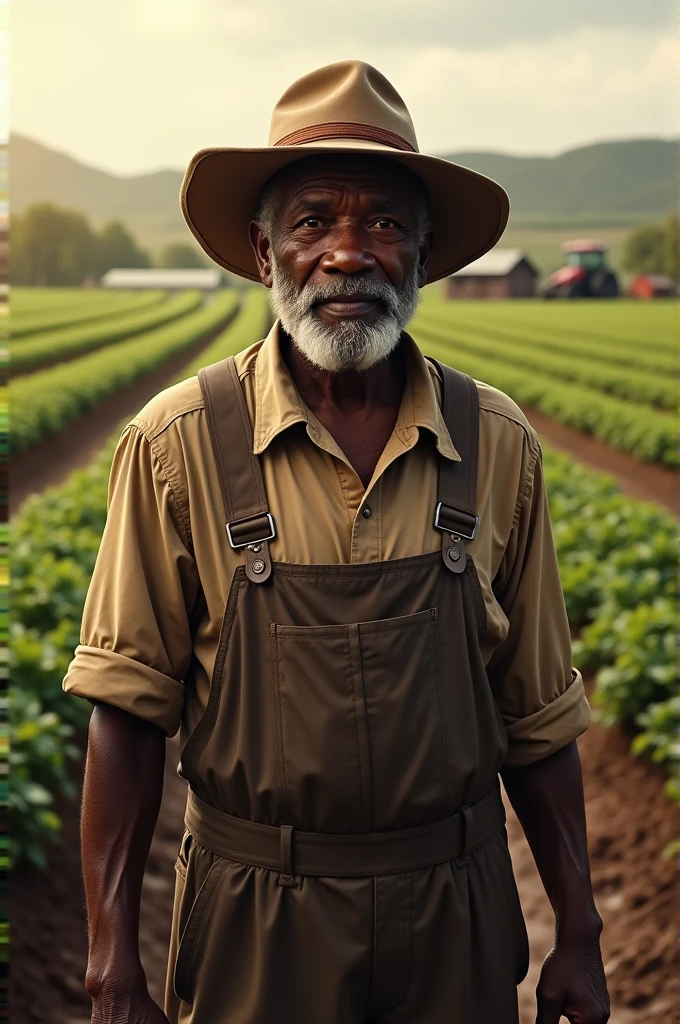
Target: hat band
x=346, y=130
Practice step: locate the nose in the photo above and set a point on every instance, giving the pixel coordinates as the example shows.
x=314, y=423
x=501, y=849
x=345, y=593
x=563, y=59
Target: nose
x=346, y=252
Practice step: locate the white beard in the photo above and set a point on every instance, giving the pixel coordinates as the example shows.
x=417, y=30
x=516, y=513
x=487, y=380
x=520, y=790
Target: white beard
x=350, y=344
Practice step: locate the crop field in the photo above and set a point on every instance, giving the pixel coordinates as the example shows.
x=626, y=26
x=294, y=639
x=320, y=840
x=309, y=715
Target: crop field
x=32, y=351
x=606, y=370
x=29, y=315
x=45, y=401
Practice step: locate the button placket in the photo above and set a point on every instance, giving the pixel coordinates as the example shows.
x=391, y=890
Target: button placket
x=366, y=529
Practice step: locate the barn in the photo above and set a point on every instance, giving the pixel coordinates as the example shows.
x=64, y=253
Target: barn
x=499, y=274
x=156, y=277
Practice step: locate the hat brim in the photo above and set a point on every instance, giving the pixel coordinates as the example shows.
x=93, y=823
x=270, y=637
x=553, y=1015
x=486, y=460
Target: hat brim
x=222, y=186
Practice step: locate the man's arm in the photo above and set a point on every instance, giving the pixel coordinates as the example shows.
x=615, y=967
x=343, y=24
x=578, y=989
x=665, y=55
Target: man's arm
x=544, y=708
x=134, y=653
x=121, y=799
x=547, y=796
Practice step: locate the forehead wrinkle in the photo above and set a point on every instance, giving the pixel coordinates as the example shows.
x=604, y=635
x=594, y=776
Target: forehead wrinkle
x=321, y=198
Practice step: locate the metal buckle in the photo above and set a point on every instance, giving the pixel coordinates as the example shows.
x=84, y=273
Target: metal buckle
x=458, y=533
x=258, y=540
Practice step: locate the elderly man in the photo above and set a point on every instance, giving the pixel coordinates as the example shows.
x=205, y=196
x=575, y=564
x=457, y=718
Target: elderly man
x=328, y=562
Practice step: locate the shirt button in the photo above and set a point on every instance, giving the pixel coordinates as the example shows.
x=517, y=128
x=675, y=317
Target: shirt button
x=366, y=512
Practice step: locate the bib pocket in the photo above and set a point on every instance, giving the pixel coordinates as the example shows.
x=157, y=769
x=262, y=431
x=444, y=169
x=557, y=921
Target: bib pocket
x=359, y=731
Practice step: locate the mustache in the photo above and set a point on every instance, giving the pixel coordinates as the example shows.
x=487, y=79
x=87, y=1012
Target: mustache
x=315, y=292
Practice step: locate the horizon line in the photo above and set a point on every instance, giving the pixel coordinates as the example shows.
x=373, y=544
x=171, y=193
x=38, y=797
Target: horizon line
x=440, y=153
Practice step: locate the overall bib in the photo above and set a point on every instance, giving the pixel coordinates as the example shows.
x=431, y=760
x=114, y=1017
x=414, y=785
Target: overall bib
x=345, y=856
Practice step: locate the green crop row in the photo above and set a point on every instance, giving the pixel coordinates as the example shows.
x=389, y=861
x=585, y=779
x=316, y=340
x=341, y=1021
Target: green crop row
x=634, y=357
x=55, y=539
x=44, y=402
x=647, y=433
x=24, y=326
x=631, y=384
x=620, y=322
x=619, y=568
x=67, y=342
x=27, y=298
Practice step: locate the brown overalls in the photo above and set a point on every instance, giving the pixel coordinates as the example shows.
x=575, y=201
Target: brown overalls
x=345, y=859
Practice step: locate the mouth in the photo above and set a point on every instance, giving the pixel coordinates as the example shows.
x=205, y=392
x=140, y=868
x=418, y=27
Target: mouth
x=349, y=305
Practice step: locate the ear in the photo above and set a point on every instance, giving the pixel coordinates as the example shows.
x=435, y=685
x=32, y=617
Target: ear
x=261, y=248
x=424, y=257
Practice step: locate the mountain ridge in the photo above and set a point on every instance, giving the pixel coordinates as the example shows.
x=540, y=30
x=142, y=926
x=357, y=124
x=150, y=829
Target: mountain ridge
x=615, y=184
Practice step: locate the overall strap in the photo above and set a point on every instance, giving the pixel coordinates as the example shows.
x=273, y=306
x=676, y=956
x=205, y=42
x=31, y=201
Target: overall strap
x=250, y=524
x=455, y=513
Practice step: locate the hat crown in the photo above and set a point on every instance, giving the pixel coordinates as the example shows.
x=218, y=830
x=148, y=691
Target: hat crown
x=349, y=96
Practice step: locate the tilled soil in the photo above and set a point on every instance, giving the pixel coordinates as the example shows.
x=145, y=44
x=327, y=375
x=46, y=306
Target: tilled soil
x=629, y=823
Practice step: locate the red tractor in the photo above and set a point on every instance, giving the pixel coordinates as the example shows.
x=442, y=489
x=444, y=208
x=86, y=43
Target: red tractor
x=585, y=274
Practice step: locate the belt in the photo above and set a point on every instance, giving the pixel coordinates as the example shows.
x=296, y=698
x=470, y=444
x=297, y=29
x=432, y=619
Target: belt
x=293, y=852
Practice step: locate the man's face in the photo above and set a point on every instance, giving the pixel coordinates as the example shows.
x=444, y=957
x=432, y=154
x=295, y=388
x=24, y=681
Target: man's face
x=344, y=258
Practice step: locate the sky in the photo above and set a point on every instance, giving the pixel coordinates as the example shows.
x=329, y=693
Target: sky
x=139, y=85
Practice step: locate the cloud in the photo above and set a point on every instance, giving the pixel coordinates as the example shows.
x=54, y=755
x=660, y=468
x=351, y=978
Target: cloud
x=144, y=83
x=458, y=23
x=527, y=98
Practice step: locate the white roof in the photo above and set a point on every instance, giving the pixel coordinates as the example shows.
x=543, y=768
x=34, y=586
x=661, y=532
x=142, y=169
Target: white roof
x=153, y=277
x=496, y=263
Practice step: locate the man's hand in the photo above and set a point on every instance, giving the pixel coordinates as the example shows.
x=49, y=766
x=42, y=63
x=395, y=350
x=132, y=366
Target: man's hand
x=572, y=984
x=132, y=1007
x=125, y=1001
x=547, y=796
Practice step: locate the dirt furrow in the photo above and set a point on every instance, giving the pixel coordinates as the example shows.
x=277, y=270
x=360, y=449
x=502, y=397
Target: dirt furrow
x=643, y=481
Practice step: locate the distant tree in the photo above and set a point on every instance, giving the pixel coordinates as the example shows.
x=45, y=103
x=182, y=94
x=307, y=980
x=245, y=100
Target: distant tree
x=180, y=256
x=673, y=248
x=653, y=249
x=51, y=246
x=117, y=248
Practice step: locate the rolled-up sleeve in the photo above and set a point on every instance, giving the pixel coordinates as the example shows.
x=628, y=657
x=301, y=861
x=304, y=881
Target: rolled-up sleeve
x=539, y=693
x=135, y=639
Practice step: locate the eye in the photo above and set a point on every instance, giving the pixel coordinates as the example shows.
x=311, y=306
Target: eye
x=386, y=223
x=310, y=222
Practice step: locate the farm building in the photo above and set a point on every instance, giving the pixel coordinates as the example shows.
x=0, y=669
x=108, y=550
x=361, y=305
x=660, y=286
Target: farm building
x=170, y=280
x=650, y=286
x=499, y=274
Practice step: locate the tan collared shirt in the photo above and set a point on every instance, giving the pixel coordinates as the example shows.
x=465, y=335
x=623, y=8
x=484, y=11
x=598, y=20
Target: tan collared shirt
x=157, y=596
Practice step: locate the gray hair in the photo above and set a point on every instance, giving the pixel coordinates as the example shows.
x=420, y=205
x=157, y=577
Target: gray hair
x=270, y=197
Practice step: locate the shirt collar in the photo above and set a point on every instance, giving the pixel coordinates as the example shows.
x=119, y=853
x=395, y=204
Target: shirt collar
x=278, y=404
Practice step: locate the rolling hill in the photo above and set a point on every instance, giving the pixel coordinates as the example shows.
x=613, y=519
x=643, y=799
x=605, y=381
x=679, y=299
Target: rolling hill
x=604, y=188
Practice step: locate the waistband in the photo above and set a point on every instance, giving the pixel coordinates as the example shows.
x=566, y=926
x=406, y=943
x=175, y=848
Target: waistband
x=293, y=852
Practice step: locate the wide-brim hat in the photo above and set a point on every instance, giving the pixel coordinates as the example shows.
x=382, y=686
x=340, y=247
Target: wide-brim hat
x=348, y=107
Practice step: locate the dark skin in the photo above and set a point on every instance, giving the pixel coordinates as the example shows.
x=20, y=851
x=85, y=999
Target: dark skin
x=358, y=221
x=363, y=224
